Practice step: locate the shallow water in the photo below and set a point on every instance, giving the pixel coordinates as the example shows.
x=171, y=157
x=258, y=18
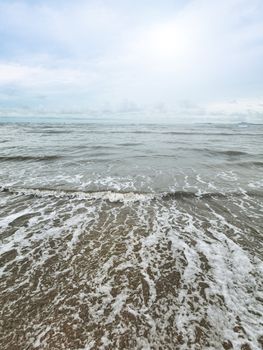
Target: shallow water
x=131, y=236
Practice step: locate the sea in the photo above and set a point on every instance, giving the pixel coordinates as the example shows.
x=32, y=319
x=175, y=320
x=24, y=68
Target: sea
x=131, y=235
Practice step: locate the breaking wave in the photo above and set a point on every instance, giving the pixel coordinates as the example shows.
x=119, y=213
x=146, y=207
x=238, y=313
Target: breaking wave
x=122, y=196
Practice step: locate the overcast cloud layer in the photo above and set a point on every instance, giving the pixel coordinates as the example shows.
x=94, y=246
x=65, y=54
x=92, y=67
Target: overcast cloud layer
x=193, y=58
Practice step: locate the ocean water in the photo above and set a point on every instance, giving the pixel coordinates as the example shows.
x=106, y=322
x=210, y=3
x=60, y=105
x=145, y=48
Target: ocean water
x=131, y=236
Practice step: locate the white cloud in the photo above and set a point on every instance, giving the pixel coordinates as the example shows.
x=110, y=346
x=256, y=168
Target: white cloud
x=43, y=77
x=208, y=51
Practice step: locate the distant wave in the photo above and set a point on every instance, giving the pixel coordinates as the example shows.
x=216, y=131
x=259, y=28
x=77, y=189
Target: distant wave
x=160, y=132
x=101, y=147
x=130, y=144
x=58, y=131
x=250, y=163
x=45, y=131
x=25, y=158
x=229, y=152
x=210, y=133
x=213, y=151
x=118, y=196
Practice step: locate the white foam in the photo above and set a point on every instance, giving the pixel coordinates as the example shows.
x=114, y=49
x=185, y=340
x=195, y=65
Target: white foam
x=148, y=235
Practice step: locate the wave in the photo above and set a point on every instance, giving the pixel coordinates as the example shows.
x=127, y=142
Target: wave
x=209, y=195
x=112, y=196
x=230, y=153
x=250, y=163
x=182, y=133
x=47, y=132
x=58, y=131
x=96, y=147
x=130, y=144
x=160, y=132
x=210, y=133
x=25, y=158
x=118, y=196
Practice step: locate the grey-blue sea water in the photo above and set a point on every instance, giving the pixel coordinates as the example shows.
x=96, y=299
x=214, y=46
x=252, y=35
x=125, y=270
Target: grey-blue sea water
x=131, y=236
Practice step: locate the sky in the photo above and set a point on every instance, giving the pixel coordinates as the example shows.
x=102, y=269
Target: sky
x=187, y=58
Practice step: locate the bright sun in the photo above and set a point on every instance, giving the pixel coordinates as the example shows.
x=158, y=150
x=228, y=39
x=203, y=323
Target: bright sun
x=165, y=43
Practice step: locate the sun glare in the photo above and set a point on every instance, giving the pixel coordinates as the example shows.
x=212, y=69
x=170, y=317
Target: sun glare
x=168, y=42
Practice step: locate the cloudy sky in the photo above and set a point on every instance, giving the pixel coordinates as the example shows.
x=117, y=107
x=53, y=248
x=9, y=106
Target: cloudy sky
x=195, y=56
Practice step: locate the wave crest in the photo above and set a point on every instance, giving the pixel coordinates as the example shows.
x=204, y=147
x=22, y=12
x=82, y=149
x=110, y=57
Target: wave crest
x=117, y=196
